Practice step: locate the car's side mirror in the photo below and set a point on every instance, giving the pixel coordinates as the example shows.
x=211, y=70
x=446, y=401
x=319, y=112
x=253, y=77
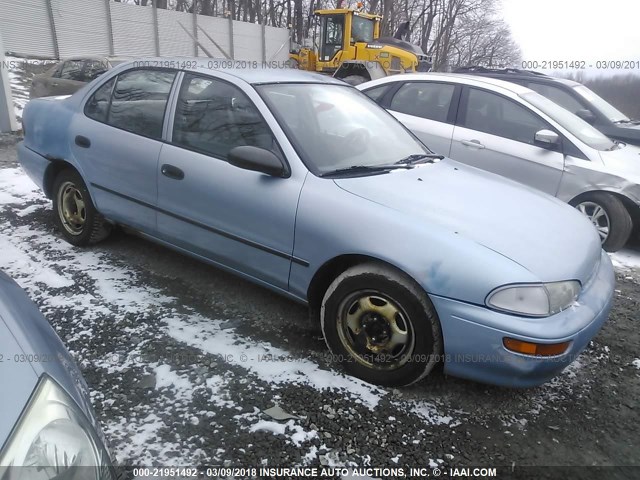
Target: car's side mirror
x=547, y=138
x=586, y=115
x=257, y=160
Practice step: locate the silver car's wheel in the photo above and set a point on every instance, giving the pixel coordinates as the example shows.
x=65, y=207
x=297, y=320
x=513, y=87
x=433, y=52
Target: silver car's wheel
x=598, y=217
x=609, y=216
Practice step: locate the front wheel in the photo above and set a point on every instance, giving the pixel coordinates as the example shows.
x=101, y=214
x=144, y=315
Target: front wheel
x=75, y=215
x=381, y=326
x=610, y=217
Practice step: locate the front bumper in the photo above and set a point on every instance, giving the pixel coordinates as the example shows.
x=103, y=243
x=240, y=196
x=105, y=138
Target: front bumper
x=473, y=335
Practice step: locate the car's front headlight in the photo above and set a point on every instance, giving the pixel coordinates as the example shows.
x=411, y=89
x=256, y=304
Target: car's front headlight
x=535, y=300
x=53, y=440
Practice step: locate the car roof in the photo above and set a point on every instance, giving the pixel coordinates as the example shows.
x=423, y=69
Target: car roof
x=508, y=75
x=474, y=80
x=254, y=73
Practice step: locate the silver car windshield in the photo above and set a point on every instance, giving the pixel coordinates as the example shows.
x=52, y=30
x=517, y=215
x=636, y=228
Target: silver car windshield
x=573, y=124
x=334, y=127
x=608, y=110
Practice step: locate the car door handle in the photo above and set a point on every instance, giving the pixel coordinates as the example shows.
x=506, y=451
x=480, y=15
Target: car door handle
x=54, y=84
x=473, y=144
x=83, y=142
x=172, y=172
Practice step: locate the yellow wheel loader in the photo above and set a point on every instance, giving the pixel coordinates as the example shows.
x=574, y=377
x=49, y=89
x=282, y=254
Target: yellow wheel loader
x=349, y=47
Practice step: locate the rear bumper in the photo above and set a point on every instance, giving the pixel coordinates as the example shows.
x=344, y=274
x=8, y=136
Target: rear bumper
x=473, y=335
x=34, y=164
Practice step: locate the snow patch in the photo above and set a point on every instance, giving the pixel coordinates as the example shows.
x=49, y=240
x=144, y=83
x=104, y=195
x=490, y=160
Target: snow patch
x=180, y=384
x=17, y=187
x=269, y=426
x=626, y=259
x=269, y=363
x=429, y=413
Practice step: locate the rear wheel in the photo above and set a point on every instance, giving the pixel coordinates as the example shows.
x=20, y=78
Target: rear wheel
x=75, y=214
x=381, y=326
x=610, y=217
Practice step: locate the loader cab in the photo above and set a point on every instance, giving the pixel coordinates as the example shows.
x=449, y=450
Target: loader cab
x=332, y=29
x=340, y=30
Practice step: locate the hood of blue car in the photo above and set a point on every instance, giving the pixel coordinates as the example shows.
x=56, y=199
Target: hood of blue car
x=547, y=237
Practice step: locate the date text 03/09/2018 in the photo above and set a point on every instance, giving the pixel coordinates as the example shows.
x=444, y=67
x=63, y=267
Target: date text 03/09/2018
x=580, y=64
x=315, y=472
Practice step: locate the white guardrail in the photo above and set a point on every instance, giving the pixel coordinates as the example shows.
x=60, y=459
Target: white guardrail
x=64, y=28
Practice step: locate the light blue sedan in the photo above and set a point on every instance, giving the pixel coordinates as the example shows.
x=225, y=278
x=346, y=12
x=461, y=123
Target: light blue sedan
x=302, y=184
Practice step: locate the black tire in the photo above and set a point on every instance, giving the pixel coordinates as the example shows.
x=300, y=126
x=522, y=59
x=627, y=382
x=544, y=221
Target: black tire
x=88, y=226
x=354, y=79
x=414, y=311
x=617, y=216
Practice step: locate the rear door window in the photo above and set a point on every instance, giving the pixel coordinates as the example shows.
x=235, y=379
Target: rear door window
x=428, y=100
x=98, y=105
x=139, y=101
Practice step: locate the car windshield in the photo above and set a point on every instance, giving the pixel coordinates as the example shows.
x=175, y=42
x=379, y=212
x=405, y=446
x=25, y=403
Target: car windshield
x=334, y=127
x=608, y=110
x=573, y=124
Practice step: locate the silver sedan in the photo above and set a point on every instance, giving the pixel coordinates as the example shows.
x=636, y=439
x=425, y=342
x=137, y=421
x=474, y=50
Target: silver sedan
x=515, y=132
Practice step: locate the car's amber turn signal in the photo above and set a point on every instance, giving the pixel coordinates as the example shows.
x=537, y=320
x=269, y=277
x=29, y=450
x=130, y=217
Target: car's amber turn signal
x=537, y=349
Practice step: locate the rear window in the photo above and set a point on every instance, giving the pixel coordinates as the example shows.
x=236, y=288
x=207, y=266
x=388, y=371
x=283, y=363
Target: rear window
x=137, y=102
x=376, y=93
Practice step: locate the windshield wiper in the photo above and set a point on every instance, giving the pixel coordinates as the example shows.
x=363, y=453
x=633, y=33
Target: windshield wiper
x=627, y=120
x=366, y=169
x=419, y=158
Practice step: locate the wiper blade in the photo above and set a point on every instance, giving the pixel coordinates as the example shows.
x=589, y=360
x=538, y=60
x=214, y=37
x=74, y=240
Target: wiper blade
x=418, y=158
x=366, y=169
x=627, y=120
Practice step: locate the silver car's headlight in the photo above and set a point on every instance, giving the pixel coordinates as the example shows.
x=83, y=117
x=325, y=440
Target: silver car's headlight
x=535, y=300
x=53, y=439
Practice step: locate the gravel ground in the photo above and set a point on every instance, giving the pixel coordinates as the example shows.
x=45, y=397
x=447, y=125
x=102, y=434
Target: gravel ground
x=182, y=359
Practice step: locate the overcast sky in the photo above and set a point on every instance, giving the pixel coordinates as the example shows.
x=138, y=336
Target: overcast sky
x=588, y=30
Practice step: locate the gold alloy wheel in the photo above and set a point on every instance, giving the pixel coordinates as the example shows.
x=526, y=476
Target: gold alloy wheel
x=71, y=208
x=375, y=330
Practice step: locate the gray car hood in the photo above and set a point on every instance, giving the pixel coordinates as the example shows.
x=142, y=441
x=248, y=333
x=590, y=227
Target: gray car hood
x=623, y=162
x=547, y=237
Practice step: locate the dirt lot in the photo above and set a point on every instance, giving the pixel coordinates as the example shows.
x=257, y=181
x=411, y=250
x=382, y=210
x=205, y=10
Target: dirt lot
x=182, y=359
